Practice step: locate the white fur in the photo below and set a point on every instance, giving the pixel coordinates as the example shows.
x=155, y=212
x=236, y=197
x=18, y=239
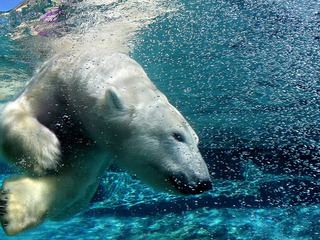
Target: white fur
x=83, y=109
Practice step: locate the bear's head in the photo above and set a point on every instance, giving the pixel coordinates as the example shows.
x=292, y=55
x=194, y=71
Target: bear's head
x=138, y=125
x=155, y=142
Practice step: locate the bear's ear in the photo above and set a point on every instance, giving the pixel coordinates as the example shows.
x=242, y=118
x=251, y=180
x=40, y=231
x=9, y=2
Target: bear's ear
x=112, y=99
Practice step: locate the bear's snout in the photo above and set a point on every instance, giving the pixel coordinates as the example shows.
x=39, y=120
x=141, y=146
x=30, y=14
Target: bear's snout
x=185, y=186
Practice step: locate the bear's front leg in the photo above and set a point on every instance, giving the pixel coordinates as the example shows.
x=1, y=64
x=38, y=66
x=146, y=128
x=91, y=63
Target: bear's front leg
x=24, y=203
x=25, y=142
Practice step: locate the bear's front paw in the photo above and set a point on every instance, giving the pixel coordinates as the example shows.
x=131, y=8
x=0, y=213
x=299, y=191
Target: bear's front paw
x=44, y=152
x=20, y=206
x=31, y=146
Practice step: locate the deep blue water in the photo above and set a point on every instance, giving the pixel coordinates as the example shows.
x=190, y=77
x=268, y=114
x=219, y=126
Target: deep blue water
x=245, y=73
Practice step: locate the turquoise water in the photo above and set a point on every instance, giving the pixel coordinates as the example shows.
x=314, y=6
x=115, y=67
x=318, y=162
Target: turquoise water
x=246, y=75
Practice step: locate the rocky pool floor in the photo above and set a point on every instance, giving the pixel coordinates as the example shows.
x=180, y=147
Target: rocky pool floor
x=126, y=209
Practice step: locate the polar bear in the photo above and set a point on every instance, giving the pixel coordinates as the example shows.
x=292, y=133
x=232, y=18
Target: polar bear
x=84, y=109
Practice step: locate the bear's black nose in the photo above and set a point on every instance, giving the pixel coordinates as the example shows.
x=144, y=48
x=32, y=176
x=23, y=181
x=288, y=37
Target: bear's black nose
x=203, y=186
x=181, y=183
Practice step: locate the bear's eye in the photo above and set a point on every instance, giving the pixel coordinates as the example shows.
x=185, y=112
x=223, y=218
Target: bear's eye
x=178, y=137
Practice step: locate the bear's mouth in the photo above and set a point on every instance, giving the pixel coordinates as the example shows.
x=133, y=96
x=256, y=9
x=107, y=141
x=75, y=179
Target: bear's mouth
x=181, y=183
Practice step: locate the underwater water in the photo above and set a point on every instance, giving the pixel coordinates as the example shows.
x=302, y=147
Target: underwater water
x=245, y=73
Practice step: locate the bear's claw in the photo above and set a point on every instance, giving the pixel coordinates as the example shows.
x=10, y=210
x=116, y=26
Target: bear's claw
x=3, y=212
x=3, y=202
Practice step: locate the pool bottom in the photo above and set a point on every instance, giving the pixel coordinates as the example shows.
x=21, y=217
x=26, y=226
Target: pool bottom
x=127, y=209
x=224, y=223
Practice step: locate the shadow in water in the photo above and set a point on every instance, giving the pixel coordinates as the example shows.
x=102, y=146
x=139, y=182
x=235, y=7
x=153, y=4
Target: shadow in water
x=284, y=193
x=293, y=174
